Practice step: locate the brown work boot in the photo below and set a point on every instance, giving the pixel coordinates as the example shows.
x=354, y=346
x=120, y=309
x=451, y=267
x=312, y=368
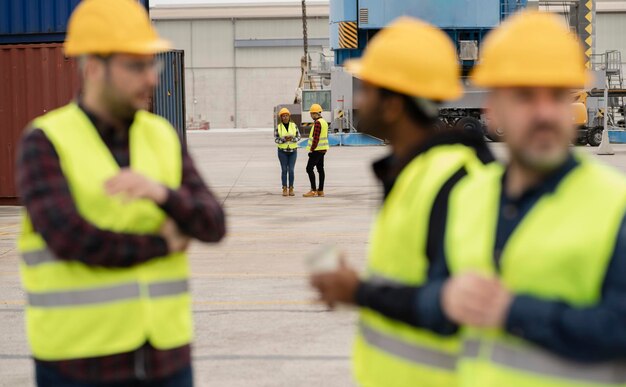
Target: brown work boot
x=320, y=194
x=291, y=193
x=285, y=192
x=310, y=194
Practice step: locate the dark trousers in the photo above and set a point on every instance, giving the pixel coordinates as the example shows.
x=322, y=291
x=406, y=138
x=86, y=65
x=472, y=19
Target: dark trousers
x=287, y=166
x=50, y=377
x=316, y=160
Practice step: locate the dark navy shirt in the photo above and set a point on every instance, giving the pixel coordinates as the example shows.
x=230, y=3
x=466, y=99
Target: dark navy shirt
x=588, y=334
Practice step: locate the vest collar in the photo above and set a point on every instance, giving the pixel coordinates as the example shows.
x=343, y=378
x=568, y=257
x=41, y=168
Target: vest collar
x=106, y=130
x=389, y=168
x=548, y=185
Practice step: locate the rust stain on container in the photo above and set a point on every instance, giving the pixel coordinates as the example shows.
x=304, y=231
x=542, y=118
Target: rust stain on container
x=34, y=79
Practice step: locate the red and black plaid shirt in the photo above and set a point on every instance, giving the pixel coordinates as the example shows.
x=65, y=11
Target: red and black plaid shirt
x=48, y=201
x=317, y=131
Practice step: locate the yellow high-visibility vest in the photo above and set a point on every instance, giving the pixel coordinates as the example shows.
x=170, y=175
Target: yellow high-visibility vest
x=80, y=311
x=323, y=142
x=560, y=251
x=389, y=353
x=292, y=131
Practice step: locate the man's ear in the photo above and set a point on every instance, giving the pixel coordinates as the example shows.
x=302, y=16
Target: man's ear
x=93, y=68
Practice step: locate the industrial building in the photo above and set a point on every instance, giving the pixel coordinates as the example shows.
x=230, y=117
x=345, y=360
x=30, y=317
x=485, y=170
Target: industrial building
x=243, y=58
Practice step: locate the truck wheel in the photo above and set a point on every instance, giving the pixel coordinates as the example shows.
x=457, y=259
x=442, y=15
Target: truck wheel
x=469, y=124
x=595, y=137
x=495, y=136
x=440, y=125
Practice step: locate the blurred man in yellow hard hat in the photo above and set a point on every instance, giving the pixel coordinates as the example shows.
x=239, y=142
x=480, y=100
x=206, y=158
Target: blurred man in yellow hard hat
x=317, y=147
x=402, y=90
x=538, y=279
x=112, y=201
x=286, y=137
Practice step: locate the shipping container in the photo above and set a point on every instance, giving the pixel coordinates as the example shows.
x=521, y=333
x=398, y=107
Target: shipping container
x=169, y=96
x=34, y=79
x=36, y=21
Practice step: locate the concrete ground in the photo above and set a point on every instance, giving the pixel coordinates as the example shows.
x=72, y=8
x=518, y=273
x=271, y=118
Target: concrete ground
x=256, y=324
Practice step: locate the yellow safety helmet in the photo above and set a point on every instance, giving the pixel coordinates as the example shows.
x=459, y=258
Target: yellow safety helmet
x=531, y=49
x=105, y=27
x=411, y=57
x=316, y=108
x=284, y=111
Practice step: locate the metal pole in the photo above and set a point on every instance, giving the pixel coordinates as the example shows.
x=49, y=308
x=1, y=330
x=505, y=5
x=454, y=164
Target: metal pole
x=605, y=146
x=235, y=94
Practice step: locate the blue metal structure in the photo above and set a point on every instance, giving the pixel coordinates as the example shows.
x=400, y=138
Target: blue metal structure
x=36, y=21
x=169, y=96
x=462, y=20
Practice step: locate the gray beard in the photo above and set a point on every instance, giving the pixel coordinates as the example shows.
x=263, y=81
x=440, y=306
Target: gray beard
x=541, y=166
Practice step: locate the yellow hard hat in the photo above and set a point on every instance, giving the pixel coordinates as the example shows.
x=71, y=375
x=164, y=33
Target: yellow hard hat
x=284, y=111
x=411, y=57
x=104, y=27
x=316, y=108
x=531, y=49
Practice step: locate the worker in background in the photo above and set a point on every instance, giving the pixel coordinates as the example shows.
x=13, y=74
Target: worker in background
x=399, y=99
x=111, y=202
x=286, y=137
x=537, y=278
x=317, y=147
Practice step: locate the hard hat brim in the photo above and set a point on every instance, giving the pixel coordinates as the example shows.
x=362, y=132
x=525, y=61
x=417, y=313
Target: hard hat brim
x=154, y=47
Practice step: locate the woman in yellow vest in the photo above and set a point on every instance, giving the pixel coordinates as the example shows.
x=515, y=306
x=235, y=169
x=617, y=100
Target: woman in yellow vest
x=286, y=137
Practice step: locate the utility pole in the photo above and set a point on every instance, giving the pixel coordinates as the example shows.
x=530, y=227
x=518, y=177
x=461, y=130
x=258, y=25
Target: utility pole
x=304, y=62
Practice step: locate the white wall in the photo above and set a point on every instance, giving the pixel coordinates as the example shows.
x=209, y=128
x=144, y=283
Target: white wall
x=611, y=33
x=239, y=87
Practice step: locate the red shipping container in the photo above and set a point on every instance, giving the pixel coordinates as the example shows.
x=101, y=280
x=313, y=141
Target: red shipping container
x=34, y=79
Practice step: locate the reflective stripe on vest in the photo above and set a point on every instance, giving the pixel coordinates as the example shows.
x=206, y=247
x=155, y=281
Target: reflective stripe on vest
x=410, y=352
x=544, y=363
x=106, y=294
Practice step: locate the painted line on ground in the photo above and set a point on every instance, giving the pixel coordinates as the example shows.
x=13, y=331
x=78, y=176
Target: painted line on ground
x=14, y=357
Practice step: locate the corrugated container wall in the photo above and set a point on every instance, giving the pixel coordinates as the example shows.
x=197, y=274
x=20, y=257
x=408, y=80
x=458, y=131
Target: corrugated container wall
x=35, y=79
x=36, y=21
x=169, y=96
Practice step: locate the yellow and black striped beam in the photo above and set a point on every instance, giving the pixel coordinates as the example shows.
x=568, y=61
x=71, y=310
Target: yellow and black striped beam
x=586, y=29
x=348, y=36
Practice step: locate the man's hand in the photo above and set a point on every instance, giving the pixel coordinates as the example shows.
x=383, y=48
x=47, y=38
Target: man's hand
x=476, y=300
x=338, y=286
x=288, y=138
x=176, y=241
x=133, y=185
